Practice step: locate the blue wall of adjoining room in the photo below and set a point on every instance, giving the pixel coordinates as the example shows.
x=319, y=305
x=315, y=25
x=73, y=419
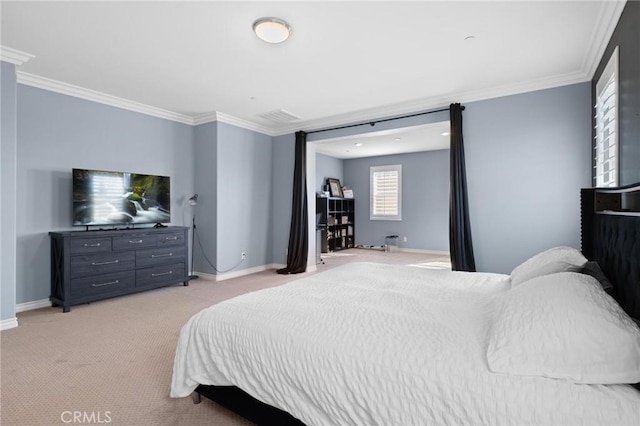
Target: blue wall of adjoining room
x=57, y=133
x=328, y=167
x=425, y=200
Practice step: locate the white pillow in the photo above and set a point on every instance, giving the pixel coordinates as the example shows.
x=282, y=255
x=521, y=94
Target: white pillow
x=564, y=326
x=557, y=259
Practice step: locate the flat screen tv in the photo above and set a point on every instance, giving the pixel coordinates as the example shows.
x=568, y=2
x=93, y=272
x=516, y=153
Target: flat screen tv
x=119, y=198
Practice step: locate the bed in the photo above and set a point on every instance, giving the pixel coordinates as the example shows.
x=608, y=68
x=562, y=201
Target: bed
x=369, y=343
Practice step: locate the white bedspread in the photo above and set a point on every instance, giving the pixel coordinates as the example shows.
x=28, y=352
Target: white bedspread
x=374, y=344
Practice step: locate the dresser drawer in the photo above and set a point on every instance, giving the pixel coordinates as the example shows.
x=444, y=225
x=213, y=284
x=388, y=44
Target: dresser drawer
x=174, y=239
x=89, y=245
x=149, y=277
x=134, y=242
x=94, y=264
x=159, y=256
x=103, y=284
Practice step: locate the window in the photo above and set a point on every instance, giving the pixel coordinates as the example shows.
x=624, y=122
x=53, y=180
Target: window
x=386, y=193
x=104, y=189
x=606, y=139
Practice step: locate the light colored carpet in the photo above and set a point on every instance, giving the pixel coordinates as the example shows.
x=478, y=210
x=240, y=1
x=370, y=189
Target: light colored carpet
x=113, y=359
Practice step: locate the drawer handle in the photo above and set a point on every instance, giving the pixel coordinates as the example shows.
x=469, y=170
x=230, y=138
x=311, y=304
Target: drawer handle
x=135, y=241
x=104, y=263
x=92, y=245
x=170, y=238
x=164, y=273
x=103, y=284
x=153, y=256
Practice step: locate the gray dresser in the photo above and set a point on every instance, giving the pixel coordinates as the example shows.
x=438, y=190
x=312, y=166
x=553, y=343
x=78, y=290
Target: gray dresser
x=93, y=265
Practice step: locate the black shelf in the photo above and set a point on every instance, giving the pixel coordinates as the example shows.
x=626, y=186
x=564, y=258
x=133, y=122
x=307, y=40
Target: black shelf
x=336, y=221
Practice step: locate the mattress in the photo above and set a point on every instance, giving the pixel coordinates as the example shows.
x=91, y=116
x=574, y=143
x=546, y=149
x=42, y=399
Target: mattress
x=370, y=343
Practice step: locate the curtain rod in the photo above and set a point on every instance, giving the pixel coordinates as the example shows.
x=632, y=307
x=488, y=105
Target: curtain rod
x=373, y=123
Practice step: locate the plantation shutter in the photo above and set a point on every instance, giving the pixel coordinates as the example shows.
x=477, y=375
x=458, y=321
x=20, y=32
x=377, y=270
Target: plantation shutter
x=385, y=192
x=606, y=118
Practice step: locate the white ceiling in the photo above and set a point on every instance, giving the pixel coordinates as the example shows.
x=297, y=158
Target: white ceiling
x=427, y=137
x=345, y=61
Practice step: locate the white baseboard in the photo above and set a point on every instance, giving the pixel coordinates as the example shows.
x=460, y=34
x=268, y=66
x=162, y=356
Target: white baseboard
x=437, y=252
x=8, y=323
x=240, y=273
x=30, y=306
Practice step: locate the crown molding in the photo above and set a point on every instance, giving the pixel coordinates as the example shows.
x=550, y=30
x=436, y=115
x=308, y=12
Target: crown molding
x=14, y=56
x=239, y=122
x=336, y=120
x=525, y=87
x=235, y=121
x=106, y=99
x=208, y=117
x=99, y=97
x=610, y=12
x=440, y=101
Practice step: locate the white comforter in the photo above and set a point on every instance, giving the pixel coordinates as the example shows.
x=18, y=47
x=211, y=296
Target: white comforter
x=368, y=344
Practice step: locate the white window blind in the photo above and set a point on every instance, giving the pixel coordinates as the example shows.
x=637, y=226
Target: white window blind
x=104, y=190
x=606, y=118
x=385, y=190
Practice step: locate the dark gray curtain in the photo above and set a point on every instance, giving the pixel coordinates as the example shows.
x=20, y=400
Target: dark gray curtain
x=460, y=244
x=299, y=232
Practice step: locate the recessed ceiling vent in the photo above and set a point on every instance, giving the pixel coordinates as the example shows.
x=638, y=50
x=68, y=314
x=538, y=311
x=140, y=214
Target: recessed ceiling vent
x=280, y=116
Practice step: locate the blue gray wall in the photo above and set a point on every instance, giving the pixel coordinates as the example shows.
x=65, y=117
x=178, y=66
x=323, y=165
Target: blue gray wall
x=206, y=186
x=283, y=160
x=527, y=157
x=244, y=170
x=8, y=148
x=58, y=132
x=425, y=200
x=233, y=177
x=328, y=167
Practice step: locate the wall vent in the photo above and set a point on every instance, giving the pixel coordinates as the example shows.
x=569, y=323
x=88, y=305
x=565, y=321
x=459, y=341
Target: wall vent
x=280, y=116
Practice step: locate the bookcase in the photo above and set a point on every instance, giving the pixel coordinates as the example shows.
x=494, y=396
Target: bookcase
x=336, y=222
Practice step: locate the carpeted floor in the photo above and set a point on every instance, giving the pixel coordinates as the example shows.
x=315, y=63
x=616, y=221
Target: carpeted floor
x=111, y=362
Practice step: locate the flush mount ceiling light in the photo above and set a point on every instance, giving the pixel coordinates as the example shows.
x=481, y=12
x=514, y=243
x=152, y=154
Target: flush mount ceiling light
x=272, y=30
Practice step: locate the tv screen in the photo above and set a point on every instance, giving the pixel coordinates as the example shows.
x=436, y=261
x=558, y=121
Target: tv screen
x=119, y=198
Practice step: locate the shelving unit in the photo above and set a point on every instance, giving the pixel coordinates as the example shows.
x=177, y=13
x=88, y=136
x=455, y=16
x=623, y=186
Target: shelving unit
x=336, y=221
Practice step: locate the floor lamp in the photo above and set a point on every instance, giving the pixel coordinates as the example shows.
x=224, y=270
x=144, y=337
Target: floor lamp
x=193, y=201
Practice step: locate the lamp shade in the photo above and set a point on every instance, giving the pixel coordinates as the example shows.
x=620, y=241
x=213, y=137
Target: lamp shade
x=193, y=200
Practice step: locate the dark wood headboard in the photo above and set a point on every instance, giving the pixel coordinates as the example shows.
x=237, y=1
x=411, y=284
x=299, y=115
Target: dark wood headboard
x=610, y=224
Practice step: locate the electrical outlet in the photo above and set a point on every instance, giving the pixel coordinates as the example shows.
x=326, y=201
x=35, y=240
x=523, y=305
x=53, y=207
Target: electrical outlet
x=404, y=239
x=243, y=256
